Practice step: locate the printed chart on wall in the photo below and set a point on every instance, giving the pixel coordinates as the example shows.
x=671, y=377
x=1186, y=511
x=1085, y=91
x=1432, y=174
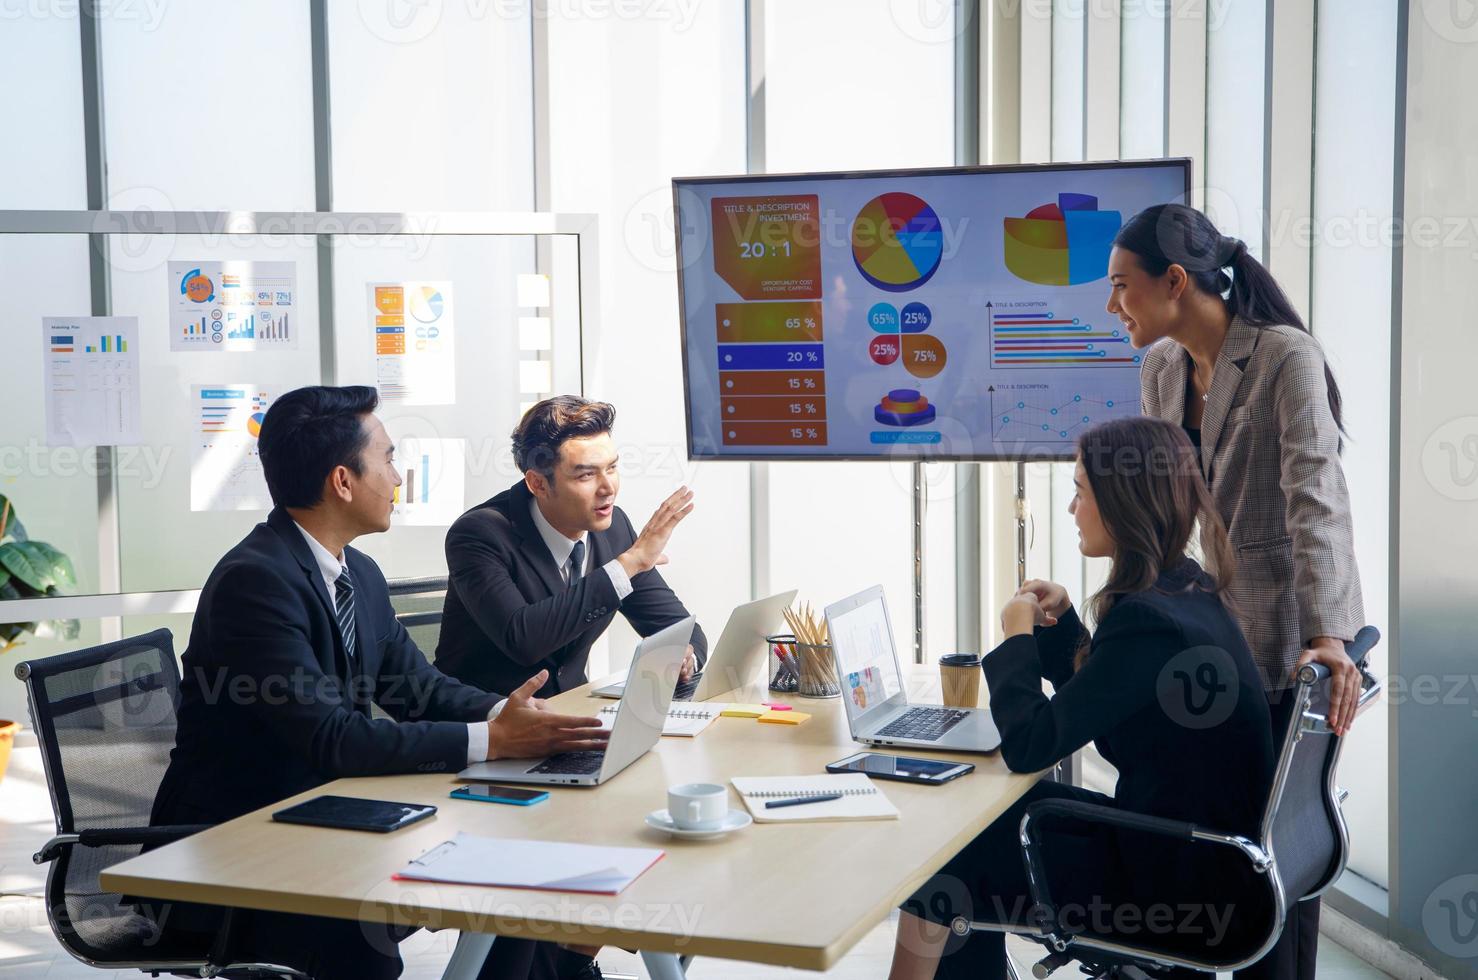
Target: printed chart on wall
x=225, y=470
x=433, y=483
x=415, y=352
x=92, y=380
x=236, y=305
x=908, y=315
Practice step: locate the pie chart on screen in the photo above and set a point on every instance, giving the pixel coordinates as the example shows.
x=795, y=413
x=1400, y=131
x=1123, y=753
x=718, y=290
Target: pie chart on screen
x=897, y=242
x=254, y=423
x=426, y=304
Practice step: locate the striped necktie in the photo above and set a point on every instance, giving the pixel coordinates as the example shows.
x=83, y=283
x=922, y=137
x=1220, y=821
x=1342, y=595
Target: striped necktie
x=344, y=608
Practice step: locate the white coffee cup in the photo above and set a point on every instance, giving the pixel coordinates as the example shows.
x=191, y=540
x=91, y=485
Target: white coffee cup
x=697, y=806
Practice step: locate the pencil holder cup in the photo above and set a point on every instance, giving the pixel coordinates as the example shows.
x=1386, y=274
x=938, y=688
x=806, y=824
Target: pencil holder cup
x=818, y=673
x=785, y=673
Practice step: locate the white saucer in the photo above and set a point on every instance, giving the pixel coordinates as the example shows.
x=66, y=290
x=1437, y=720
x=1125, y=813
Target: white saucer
x=733, y=820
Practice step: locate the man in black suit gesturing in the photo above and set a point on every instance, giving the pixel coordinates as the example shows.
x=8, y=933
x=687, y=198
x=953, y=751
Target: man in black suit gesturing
x=539, y=571
x=294, y=638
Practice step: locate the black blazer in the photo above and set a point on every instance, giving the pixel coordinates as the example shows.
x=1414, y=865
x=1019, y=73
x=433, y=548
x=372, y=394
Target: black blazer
x=1169, y=695
x=509, y=612
x=271, y=706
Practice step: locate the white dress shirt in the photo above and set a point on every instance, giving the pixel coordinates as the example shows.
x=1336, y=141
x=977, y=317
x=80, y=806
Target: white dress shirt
x=330, y=568
x=561, y=547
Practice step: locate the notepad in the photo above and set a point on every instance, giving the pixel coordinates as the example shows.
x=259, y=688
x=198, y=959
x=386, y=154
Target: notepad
x=861, y=799
x=682, y=720
x=472, y=860
x=784, y=718
x=744, y=710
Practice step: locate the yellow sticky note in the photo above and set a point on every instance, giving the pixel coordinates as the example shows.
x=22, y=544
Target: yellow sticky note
x=785, y=717
x=745, y=711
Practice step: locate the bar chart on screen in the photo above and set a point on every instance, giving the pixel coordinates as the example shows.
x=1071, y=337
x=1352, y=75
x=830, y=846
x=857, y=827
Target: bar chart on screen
x=1024, y=334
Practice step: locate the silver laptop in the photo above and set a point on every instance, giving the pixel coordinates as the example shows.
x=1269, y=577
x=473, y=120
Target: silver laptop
x=874, y=692
x=637, y=727
x=741, y=653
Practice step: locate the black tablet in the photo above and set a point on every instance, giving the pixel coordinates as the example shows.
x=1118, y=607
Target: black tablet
x=348, y=813
x=901, y=767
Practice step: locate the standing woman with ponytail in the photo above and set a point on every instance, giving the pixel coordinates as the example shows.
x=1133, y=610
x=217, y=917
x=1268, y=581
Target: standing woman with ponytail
x=1231, y=362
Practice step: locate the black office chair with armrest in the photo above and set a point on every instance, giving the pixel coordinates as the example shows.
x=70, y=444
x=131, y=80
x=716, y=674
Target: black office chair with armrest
x=105, y=720
x=1301, y=848
x=418, y=605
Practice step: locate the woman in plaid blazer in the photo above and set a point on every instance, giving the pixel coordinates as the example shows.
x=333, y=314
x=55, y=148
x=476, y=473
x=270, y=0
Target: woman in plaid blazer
x=1230, y=361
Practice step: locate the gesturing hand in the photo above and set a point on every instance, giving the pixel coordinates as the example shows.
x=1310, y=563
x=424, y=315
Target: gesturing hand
x=646, y=551
x=527, y=729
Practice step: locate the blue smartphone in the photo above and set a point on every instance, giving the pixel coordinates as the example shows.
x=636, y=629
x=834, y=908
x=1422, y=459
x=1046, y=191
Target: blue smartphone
x=500, y=794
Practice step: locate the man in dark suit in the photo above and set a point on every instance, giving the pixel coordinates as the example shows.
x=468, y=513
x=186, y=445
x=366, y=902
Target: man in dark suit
x=294, y=639
x=539, y=571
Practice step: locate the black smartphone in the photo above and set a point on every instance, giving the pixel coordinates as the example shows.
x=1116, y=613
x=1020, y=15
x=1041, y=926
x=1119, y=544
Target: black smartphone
x=516, y=795
x=900, y=767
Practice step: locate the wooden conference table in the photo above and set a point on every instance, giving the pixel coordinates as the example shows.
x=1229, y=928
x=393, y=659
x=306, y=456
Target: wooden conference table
x=798, y=895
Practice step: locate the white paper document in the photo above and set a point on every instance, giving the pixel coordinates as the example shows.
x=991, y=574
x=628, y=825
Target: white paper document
x=433, y=488
x=472, y=860
x=412, y=324
x=225, y=470
x=235, y=305
x=92, y=380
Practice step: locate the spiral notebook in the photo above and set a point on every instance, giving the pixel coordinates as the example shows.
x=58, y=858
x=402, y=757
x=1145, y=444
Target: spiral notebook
x=861, y=798
x=683, y=720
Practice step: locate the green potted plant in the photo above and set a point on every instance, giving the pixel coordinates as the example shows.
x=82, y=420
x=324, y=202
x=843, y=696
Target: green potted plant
x=28, y=569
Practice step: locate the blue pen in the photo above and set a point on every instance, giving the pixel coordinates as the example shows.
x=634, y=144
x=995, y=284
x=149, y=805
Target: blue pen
x=802, y=800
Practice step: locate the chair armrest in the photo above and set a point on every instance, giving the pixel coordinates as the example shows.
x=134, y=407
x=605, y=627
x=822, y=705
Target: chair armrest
x=1108, y=816
x=105, y=836
x=1358, y=650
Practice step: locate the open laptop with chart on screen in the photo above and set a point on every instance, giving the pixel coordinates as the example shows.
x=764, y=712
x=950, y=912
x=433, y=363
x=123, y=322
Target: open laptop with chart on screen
x=874, y=692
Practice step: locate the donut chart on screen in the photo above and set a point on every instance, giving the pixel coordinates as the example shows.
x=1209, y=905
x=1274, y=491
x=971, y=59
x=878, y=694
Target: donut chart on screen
x=897, y=241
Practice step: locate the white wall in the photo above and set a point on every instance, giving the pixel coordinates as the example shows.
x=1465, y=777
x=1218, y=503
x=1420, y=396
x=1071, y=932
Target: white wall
x=848, y=87
x=1233, y=175
x=634, y=103
x=1356, y=85
x=194, y=124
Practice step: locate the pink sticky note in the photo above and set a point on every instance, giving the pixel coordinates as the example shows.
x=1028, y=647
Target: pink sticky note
x=777, y=707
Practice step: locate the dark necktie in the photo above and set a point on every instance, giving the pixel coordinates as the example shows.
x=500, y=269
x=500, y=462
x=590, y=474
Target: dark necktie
x=344, y=608
x=577, y=562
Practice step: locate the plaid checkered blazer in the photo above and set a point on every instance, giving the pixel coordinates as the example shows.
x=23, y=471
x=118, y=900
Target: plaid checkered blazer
x=1270, y=454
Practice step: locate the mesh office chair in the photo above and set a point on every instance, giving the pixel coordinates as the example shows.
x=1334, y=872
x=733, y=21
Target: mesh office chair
x=1301, y=848
x=105, y=719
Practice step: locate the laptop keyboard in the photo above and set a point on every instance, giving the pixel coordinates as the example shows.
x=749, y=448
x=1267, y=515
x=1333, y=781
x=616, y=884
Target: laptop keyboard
x=927, y=724
x=571, y=764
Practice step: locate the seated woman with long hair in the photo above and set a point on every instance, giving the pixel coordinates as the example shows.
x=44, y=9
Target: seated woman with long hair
x=1165, y=687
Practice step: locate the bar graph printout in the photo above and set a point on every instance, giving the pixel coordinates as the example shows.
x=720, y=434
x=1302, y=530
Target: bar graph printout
x=235, y=305
x=92, y=380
